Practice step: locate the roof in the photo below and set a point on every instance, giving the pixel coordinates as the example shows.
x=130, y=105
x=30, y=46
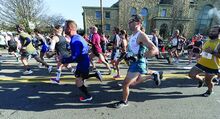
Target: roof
x=116, y=4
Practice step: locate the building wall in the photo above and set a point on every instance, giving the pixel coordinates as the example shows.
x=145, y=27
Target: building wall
x=199, y=7
x=126, y=5
x=91, y=20
x=186, y=16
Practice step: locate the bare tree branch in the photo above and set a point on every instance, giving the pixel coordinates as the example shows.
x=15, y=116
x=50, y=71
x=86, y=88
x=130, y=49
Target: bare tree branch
x=20, y=11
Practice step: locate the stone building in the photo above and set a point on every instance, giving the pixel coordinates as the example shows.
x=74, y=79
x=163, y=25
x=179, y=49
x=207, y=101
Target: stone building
x=189, y=16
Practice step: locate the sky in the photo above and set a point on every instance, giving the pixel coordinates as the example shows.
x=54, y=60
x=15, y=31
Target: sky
x=72, y=9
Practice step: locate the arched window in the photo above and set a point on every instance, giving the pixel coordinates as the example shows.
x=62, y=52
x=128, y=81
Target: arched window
x=204, y=20
x=180, y=27
x=133, y=11
x=144, y=12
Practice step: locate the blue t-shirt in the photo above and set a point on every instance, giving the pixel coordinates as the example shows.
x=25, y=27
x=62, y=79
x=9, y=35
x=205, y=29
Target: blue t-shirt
x=79, y=50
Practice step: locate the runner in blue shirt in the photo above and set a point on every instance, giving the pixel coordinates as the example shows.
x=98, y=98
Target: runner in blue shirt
x=79, y=54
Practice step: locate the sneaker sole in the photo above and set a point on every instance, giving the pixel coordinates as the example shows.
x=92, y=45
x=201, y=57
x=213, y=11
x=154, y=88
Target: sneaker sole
x=86, y=100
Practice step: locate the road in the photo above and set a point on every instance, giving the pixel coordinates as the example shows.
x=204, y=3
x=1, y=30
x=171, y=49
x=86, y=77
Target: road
x=35, y=97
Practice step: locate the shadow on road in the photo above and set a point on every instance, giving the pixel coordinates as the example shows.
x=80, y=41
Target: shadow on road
x=46, y=96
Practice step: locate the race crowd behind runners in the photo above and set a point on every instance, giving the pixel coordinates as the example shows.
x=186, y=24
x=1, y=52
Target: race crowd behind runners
x=66, y=46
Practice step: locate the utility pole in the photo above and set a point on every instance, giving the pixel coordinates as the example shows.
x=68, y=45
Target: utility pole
x=101, y=8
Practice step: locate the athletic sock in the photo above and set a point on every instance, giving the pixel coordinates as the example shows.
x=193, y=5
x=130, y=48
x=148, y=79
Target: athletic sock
x=84, y=90
x=58, y=74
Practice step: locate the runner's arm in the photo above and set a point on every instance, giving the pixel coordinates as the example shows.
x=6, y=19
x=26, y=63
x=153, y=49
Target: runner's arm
x=153, y=50
x=76, y=51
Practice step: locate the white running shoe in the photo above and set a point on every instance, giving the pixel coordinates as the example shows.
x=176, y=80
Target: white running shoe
x=99, y=76
x=27, y=72
x=40, y=65
x=73, y=70
x=50, y=69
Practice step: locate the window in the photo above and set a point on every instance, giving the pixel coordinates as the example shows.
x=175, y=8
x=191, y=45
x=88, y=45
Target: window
x=204, y=20
x=98, y=14
x=165, y=1
x=107, y=27
x=164, y=13
x=107, y=15
x=144, y=12
x=133, y=11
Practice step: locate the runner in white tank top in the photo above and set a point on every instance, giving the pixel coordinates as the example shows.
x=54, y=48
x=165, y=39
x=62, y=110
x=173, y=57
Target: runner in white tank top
x=137, y=43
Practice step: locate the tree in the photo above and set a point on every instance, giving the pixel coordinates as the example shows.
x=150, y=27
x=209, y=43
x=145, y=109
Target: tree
x=21, y=12
x=179, y=11
x=48, y=22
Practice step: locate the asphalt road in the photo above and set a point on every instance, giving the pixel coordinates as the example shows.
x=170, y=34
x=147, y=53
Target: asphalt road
x=35, y=97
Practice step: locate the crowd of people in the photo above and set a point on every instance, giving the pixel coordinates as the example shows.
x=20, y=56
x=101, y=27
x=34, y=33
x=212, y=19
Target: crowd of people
x=67, y=46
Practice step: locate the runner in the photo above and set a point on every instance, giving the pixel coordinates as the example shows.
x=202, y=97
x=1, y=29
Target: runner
x=97, y=50
x=79, y=54
x=209, y=63
x=13, y=46
x=59, y=46
x=138, y=43
x=43, y=44
x=123, y=50
x=27, y=49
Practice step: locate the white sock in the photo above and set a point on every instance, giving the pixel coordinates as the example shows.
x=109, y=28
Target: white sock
x=58, y=74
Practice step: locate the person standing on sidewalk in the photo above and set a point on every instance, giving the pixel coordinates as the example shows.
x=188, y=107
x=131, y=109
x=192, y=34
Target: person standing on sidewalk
x=79, y=54
x=138, y=43
x=209, y=61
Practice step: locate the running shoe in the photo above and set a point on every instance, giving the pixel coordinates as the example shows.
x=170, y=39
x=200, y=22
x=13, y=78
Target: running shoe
x=27, y=72
x=73, y=70
x=207, y=93
x=156, y=78
x=50, y=69
x=99, y=76
x=54, y=80
x=117, y=76
x=40, y=65
x=161, y=75
x=120, y=83
x=120, y=104
x=83, y=99
x=215, y=81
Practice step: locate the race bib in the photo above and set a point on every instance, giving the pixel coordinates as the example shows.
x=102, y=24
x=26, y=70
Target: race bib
x=206, y=55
